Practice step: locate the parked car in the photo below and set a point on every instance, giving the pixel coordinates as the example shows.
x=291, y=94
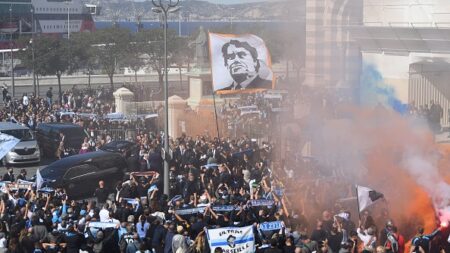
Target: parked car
x=27, y=150
x=47, y=135
x=79, y=174
x=129, y=150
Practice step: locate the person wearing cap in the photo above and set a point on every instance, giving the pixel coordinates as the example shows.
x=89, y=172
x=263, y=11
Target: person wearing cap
x=385, y=231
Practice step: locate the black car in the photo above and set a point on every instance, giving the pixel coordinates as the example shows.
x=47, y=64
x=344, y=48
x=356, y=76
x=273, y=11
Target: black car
x=79, y=174
x=129, y=150
x=47, y=135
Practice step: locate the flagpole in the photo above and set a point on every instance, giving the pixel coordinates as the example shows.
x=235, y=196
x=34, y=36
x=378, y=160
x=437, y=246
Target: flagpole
x=357, y=200
x=215, y=115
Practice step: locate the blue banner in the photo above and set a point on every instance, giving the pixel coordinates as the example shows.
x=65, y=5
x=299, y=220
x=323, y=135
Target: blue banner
x=261, y=202
x=270, y=226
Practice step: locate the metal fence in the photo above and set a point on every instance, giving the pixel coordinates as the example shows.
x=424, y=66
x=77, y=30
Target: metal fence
x=145, y=107
x=117, y=134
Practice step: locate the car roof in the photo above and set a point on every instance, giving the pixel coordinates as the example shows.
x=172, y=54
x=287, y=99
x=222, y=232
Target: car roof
x=60, y=125
x=121, y=143
x=11, y=126
x=60, y=166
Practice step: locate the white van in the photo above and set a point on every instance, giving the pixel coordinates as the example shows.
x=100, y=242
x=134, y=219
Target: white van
x=27, y=150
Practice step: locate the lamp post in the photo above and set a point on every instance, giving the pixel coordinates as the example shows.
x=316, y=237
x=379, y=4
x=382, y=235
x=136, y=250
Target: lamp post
x=68, y=19
x=165, y=9
x=36, y=92
x=12, y=56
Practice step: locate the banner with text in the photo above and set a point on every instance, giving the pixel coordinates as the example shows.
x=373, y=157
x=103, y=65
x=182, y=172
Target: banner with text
x=232, y=239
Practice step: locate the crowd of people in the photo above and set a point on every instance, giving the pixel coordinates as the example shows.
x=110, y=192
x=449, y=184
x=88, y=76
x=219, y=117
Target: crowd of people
x=213, y=183
x=432, y=113
x=85, y=107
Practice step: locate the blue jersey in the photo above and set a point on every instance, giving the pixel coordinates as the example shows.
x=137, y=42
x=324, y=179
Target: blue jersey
x=424, y=241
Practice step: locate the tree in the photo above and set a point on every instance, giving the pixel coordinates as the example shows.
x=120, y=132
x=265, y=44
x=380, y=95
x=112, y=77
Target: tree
x=51, y=58
x=133, y=57
x=152, y=42
x=181, y=55
x=84, y=56
x=110, y=45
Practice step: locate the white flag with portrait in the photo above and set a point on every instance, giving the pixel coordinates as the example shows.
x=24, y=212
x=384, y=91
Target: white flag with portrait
x=232, y=239
x=239, y=63
x=7, y=142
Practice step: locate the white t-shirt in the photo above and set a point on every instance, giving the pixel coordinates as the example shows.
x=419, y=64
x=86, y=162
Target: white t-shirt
x=104, y=215
x=25, y=100
x=3, y=243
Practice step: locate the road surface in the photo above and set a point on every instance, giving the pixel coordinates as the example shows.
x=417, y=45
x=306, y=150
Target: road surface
x=31, y=169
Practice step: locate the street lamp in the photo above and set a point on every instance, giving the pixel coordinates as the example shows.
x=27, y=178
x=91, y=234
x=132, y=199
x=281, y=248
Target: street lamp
x=12, y=56
x=165, y=9
x=36, y=92
x=68, y=19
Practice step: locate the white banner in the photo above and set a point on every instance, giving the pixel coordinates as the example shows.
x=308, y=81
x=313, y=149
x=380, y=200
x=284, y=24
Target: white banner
x=7, y=142
x=102, y=225
x=239, y=62
x=232, y=239
x=39, y=180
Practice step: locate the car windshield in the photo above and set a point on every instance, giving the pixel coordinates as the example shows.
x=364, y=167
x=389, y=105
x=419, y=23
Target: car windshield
x=21, y=134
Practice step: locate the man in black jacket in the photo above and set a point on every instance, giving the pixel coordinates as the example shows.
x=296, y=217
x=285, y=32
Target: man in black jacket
x=9, y=176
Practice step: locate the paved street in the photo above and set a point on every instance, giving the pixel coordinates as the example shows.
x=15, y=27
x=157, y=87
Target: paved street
x=31, y=169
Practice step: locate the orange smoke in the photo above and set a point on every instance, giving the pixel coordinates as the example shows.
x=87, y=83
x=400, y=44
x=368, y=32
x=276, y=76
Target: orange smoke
x=370, y=148
x=409, y=205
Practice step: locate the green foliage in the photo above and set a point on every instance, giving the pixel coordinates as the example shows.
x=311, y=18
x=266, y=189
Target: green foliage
x=83, y=53
x=50, y=54
x=151, y=43
x=109, y=47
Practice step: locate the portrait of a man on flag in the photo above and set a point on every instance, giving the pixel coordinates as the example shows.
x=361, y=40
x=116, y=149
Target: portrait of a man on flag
x=239, y=63
x=232, y=239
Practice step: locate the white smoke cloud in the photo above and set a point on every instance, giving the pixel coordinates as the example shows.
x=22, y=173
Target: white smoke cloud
x=423, y=168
